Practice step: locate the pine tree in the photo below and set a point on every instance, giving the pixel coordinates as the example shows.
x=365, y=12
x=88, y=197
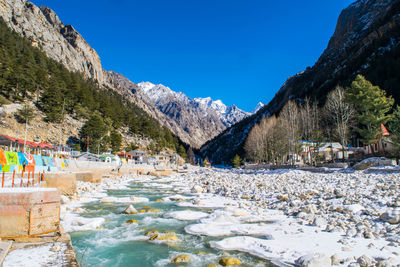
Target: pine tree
x=182, y=151
x=116, y=141
x=372, y=106
x=25, y=113
x=95, y=129
x=394, y=129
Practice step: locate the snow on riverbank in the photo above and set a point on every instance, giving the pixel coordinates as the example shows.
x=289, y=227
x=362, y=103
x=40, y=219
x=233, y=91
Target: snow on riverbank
x=89, y=192
x=37, y=256
x=281, y=215
x=342, y=215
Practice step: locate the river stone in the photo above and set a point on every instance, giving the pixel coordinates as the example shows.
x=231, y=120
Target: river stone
x=151, y=233
x=314, y=260
x=197, y=189
x=336, y=259
x=181, y=258
x=229, y=261
x=167, y=237
x=130, y=210
x=392, y=217
x=364, y=261
x=319, y=221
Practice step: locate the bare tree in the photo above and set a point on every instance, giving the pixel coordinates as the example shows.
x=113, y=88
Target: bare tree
x=341, y=113
x=253, y=144
x=310, y=126
x=266, y=141
x=291, y=122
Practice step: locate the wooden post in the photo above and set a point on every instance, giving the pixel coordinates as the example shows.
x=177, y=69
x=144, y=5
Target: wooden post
x=13, y=178
x=2, y=183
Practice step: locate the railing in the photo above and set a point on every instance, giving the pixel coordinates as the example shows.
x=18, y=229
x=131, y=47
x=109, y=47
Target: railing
x=26, y=179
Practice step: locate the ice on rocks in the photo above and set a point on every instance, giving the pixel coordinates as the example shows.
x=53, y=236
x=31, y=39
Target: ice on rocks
x=133, y=200
x=314, y=260
x=77, y=223
x=186, y=215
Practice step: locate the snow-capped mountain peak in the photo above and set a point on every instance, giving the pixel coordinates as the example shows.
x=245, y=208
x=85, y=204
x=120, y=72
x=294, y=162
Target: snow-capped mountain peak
x=203, y=111
x=146, y=86
x=258, y=107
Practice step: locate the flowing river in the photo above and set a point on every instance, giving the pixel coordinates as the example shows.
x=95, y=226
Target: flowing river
x=119, y=243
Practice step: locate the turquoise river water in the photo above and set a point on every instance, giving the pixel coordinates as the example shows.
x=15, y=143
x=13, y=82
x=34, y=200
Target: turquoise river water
x=118, y=243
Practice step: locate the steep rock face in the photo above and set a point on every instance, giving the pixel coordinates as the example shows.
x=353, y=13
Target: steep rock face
x=366, y=41
x=134, y=93
x=43, y=28
x=61, y=42
x=200, y=118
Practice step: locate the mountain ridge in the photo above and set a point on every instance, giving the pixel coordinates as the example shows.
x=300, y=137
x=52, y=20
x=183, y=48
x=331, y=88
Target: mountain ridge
x=61, y=42
x=365, y=41
x=201, y=118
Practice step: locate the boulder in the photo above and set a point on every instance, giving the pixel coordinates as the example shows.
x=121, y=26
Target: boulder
x=166, y=237
x=391, y=216
x=320, y=222
x=181, y=258
x=336, y=259
x=151, y=233
x=229, y=261
x=132, y=221
x=197, y=189
x=365, y=261
x=372, y=162
x=130, y=210
x=314, y=260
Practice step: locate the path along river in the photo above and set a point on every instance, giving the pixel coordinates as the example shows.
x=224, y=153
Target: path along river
x=116, y=242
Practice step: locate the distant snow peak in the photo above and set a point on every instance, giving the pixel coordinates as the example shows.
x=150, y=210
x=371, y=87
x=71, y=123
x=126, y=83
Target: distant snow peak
x=207, y=103
x=146, y=86
x=258, y=107
x=161, y=95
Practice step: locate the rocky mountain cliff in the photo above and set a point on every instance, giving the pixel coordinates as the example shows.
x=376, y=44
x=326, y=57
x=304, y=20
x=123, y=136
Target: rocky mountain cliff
x=201, y=118
x=366, y=41
x=59, y=41
x=43, y=28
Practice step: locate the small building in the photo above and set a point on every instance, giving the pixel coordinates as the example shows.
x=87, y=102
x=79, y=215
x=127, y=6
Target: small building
x=382, y=145
x=326, y=151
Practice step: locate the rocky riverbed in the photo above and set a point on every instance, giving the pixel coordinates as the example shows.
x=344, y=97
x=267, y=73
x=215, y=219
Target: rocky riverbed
x=343, y=210
x=345, y=218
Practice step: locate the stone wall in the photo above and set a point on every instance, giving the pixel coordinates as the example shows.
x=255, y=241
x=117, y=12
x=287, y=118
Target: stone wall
x=28, y=212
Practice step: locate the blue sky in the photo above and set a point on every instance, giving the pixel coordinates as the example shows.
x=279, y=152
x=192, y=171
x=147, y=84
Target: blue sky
x=238, y=51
